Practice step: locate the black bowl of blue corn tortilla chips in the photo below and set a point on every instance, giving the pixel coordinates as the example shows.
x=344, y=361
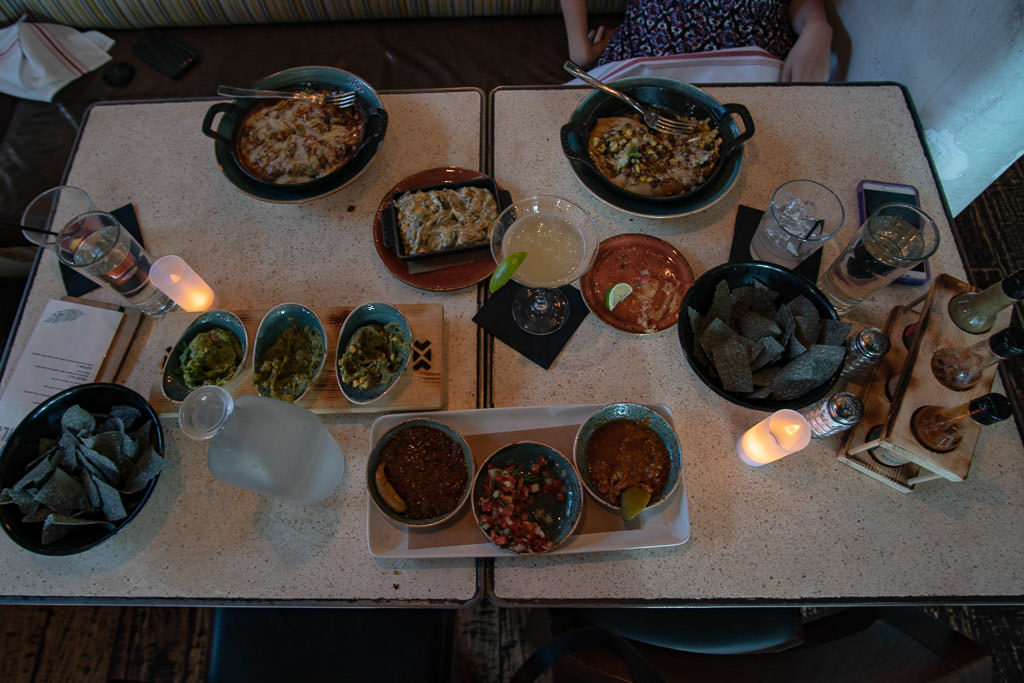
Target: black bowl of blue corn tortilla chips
x=78, y=468
x=762, y=336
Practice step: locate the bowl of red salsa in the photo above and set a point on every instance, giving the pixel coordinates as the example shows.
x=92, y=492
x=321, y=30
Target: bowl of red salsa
x=626, y=445
x=527, y=498
x=419, y=473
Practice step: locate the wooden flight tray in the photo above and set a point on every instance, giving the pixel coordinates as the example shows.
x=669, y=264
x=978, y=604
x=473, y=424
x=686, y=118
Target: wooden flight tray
x=916, y=387
x=421, y=387
x=667, y=524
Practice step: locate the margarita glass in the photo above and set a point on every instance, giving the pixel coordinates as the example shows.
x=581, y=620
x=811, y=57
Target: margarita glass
x=560, y=241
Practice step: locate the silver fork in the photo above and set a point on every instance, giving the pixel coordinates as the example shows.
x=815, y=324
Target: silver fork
x=337, y=98
x=654, y=120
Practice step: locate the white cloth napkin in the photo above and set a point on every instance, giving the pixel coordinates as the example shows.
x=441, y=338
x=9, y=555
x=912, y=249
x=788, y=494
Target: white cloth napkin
x=37, y=60
x=733, y=65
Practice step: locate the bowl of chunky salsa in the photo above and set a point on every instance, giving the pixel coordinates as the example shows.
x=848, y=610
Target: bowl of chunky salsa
x=419, y=473
x=627, y=446
x=527, y=498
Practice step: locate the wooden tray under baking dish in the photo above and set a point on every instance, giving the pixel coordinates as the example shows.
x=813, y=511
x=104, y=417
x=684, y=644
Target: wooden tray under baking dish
x=420, y=388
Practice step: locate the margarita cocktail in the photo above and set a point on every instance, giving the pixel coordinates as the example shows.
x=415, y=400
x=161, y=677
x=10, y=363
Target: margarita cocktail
x=559, y=241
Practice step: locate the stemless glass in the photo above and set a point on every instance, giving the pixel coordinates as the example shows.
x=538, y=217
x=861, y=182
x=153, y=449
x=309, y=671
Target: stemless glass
x=894, y=239
x=96, y=245
x=560, y=241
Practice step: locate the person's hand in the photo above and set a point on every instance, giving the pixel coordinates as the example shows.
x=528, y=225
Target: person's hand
x=587, y=53
x=811, y=56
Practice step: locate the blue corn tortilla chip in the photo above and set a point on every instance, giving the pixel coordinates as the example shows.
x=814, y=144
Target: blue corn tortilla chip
x=77, y=420
x=834, y=332
x=806, y=371
x=801, y=305
x=732, y=362
x=808, y=329
x=754, y=325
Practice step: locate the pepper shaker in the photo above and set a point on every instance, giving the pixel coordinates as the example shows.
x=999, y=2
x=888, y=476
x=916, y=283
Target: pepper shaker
x=863, y=350
x=833, y=414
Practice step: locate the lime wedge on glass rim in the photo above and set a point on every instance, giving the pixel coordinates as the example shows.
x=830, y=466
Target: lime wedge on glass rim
x=633, y=501
x=503, y=273
x=615, y=294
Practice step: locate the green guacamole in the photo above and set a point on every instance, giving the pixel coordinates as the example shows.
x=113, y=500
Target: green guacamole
x=287, y=368
x=374, y=355
x=210, y=358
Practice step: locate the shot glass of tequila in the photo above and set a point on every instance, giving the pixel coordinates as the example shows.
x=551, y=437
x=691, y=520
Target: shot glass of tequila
x=560, y=241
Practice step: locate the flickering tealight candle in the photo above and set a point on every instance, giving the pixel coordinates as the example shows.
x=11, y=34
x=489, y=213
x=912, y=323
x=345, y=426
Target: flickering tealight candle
x=774, y=437
x=177, y=280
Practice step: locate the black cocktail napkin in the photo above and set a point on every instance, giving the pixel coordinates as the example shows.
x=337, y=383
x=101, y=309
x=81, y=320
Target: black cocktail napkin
x=78, y=284
x=496, y=317
x=747, y=219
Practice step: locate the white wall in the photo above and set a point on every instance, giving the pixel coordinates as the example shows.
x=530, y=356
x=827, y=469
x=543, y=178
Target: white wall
x=963, y=62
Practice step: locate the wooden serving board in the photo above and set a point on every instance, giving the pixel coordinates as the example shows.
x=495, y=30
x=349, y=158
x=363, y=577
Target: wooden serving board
x=420, y=388
x=918, y=387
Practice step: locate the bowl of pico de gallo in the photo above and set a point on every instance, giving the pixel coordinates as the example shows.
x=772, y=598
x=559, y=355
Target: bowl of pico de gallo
x=527, y=498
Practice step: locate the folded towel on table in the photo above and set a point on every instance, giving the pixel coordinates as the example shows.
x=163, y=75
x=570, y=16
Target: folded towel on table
x=37, y=60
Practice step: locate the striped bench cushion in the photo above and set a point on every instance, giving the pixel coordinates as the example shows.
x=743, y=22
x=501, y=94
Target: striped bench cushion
x=127, y=14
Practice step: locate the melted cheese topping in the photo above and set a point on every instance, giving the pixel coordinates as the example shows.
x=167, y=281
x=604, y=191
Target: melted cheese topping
x=296, y=141
x=438, y=220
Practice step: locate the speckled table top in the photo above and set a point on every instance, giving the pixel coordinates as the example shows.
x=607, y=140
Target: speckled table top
x=197, y=539
x=806, y=528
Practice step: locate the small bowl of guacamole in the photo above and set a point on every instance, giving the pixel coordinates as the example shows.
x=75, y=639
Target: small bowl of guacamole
x=373, y=351
x=288, y=353
x=210, y=351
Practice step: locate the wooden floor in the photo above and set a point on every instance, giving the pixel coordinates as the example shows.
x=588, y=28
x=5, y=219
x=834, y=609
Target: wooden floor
x=87, y=644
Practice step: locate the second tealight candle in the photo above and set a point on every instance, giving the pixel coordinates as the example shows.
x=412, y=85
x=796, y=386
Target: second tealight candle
x=177, y=280
x=774, y=437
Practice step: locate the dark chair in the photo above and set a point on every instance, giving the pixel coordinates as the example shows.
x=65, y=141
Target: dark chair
x=654, y=645
x=255, y=644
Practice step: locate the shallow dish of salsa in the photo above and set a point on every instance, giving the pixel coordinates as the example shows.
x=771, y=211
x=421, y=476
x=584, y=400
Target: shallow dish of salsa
x=527, y=498
x=419, y=473
x=626, y=445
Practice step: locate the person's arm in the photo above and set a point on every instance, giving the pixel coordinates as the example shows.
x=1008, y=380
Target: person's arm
x=584, y=46
x=811, y=56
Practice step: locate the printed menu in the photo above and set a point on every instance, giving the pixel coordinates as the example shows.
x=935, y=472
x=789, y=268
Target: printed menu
x=67, y=347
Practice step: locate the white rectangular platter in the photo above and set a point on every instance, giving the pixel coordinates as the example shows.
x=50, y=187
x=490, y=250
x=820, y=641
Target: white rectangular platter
x=489, y=429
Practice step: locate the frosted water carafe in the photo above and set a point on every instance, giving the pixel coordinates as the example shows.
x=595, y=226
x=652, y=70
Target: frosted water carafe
x=275, y=448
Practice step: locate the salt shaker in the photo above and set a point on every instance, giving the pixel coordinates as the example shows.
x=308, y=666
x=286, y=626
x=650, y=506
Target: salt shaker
x=833, y=414
x=863, y=350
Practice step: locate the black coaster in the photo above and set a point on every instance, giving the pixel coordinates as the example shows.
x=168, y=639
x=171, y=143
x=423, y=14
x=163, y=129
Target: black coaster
x=77, y=284
x=496, y=317
x=746, y=224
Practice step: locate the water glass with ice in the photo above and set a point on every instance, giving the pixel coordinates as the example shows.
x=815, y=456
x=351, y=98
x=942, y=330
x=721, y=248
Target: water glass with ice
x=801, y=216
x=95, y=244
x=894, y=239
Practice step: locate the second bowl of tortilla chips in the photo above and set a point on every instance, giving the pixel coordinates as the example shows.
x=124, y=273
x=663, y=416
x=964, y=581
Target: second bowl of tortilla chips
x=762, y=336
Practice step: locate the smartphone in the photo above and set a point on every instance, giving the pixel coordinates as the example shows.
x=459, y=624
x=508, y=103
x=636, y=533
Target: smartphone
x=163, y=53
x=873, y=193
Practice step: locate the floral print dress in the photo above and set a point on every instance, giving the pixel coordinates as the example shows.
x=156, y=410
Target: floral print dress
x=654, y=28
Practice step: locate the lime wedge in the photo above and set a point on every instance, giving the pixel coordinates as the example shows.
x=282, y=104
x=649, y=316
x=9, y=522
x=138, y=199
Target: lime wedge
x=633, y=501
x=503, y=273
x=616, y=293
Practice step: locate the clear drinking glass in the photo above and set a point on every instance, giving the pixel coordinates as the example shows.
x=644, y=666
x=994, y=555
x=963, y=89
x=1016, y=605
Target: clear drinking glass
x=894, y=239
x=801, y=216
x=95, y=244
x=560, y=241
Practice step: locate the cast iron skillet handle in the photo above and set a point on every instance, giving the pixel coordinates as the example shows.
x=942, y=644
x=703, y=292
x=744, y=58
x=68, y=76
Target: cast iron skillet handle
x=504, y=200
x=567, y=130
x=376, y=125
x=218, y=108
x=748, y=123
x=387, y=226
